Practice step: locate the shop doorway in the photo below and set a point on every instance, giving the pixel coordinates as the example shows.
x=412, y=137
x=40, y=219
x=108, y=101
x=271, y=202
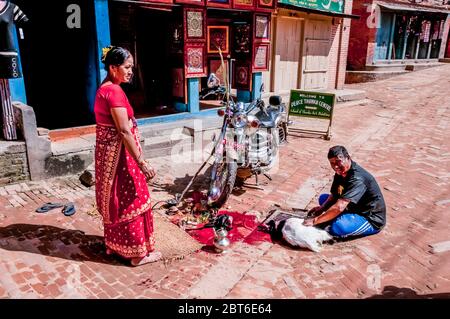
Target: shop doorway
x=152, y=43
x=147, y=32
x=287, y=54
x=58, y=63
x=316, y=52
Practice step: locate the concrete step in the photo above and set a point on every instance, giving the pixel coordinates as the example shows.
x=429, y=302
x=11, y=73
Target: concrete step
x=343, y=95
x=445, y=60
x=346, y=95
x=370, y=76
x=162, y=129
x=387, y=67
x=73, y=145
x=167, y=140
x=421, y=66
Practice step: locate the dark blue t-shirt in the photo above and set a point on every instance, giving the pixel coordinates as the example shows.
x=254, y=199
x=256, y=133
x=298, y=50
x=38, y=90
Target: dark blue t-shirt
x=364, y=194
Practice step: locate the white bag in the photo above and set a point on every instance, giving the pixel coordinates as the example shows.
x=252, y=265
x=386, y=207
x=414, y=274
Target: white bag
x=297, y=234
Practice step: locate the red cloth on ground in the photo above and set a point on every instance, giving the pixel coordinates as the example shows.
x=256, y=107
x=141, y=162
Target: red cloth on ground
x=243, y=226
x=110, y=96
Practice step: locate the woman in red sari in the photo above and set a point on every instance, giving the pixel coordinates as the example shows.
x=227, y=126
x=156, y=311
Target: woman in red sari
x=121, y=172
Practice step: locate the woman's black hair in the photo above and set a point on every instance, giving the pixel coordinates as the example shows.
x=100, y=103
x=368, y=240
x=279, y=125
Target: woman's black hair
x=337, y=150
x=115, y=56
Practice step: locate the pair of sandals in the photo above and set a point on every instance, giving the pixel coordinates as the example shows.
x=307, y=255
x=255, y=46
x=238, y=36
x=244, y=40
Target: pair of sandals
x=68, y=209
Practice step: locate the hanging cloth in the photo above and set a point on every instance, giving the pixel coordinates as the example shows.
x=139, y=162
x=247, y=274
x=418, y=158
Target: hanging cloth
x=9, y=64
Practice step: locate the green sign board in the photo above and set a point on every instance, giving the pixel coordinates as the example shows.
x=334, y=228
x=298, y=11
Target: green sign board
x=314, y=105
x=311, y=104
x=324, y=5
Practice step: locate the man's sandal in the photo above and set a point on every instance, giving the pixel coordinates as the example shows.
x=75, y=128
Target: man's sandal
x=48, y=206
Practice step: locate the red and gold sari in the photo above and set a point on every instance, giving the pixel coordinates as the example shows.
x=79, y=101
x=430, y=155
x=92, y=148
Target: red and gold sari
x=122, y=195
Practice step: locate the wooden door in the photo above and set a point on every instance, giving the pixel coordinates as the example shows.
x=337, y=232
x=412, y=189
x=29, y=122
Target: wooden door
x=287, y=54
x=316, y=52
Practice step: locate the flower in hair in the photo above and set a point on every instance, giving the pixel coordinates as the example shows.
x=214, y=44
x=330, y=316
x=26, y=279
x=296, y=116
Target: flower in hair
x=105, y=52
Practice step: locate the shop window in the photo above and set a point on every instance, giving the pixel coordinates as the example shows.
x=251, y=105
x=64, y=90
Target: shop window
x=383, y=36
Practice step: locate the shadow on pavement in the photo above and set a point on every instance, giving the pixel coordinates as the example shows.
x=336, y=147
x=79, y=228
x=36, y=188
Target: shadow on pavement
x=201, y=182
x=56, y=242
x=392, y=292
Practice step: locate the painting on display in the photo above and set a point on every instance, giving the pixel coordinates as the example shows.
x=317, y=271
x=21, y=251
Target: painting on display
x=266, y=4
x=219, y=3
x=218, y=38
x=262, y=27
x=243, y=4
x=242, y=38
x=216, y=67
x=194, y=24
x=261, y=57
x=197, y=2
x=242, y=76
x=195, y=60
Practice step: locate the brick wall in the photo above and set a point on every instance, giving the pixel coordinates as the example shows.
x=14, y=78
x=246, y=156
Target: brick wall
x=344, y=45
x=445, y=45
x=13, y=162
x=360, y=36
x=447, y=54
x=333, y=55
x=339, y=41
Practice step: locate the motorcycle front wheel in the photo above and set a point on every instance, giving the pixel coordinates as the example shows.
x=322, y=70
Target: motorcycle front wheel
x=222, y=183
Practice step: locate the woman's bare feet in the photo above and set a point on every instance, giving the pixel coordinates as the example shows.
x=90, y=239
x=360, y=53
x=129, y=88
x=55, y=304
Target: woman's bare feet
x=150, y=258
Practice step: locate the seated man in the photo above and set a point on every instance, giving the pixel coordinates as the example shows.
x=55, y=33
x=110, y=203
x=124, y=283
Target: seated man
x=355, y=206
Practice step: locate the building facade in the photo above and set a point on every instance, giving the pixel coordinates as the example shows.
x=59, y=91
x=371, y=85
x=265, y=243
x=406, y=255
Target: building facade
x=397, y=32
x=310, y=41
x=175, y=44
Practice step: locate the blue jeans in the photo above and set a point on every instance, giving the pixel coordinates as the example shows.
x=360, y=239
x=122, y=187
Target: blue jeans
x=349, y=224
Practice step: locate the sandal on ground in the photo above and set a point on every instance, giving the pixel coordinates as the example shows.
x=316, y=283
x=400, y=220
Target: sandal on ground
x=69, y=209
x=48, y=206
x=152, y=257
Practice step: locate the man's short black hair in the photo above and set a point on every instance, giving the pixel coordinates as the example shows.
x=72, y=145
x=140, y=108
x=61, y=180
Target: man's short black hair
x=337, y=150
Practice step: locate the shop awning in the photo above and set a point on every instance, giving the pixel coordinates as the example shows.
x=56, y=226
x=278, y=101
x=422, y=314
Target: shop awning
x=410, y=7
x=316, y=11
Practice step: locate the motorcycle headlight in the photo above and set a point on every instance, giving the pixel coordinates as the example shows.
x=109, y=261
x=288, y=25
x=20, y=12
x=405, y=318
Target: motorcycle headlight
x=253, y=125
x=239, y=121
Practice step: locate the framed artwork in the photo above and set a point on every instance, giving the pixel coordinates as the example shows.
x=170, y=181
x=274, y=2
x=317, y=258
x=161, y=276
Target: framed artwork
x=195, y=2
x=243, y=4
x=262, y=27
x=266, y=4
x=219, y=3
x=194, y=57
x=217, y=38
x=242, y=38
x=215, y=66
x=194, y=24
x=242, y=76
x=261, y=57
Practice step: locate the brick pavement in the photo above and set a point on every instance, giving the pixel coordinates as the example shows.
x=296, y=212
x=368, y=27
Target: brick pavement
x=399, y=134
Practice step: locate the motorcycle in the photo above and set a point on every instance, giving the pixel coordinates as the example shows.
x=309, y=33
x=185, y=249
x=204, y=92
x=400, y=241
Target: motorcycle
x=248, y=144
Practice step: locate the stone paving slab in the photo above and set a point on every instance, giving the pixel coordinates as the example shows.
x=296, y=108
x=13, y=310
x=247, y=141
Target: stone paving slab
x=400, y=135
